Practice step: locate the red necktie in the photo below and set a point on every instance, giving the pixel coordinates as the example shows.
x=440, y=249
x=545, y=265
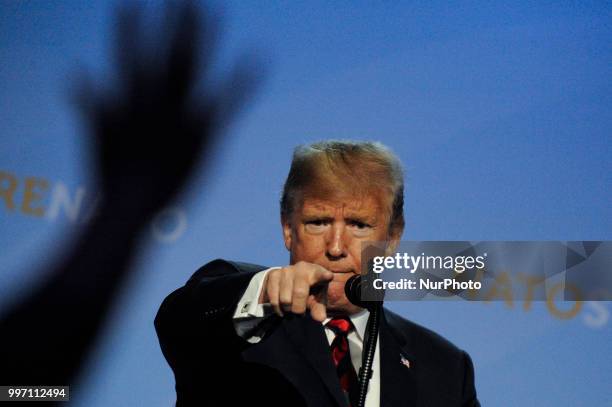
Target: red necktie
x=341, y=356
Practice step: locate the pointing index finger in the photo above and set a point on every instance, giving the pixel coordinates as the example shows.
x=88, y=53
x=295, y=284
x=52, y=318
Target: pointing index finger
x=320, y=275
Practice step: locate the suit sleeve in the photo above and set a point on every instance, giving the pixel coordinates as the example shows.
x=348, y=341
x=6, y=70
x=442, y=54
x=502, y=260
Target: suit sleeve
x=194, y=323
x=469, y=390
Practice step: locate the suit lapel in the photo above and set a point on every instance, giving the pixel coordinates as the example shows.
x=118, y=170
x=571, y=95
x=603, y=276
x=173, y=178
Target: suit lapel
x=398, y=385
x=308, y=337
x=298, y=340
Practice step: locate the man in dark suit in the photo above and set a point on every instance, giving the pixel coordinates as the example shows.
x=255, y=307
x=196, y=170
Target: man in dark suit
x=241, y=334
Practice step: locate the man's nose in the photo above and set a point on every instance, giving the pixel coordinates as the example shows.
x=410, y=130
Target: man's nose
x=336, y=245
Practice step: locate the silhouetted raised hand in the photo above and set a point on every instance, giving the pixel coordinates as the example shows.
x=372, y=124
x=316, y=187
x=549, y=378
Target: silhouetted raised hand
x=151, y=134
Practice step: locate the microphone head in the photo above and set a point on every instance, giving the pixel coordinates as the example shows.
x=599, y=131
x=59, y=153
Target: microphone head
x=353, y=290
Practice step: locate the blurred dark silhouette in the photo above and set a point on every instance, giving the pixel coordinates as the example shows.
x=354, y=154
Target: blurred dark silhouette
x=149, y=136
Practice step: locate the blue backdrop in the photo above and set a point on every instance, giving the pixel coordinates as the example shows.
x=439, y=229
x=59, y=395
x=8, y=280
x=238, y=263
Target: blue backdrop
x=501, y=114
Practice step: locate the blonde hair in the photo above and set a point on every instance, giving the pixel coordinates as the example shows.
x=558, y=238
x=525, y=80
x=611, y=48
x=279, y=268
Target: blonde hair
x=335, y=169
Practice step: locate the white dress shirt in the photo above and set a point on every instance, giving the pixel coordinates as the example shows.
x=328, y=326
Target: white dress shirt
x=249, y=314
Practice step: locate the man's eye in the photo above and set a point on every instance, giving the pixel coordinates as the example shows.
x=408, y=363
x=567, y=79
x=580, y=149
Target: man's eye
x=359, y=225
x=316, y=225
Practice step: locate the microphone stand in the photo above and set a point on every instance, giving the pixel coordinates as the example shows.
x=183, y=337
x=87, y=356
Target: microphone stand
x=367, y=355
x=353, y=292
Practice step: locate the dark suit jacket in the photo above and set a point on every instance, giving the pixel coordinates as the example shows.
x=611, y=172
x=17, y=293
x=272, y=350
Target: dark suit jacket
x=292, y=366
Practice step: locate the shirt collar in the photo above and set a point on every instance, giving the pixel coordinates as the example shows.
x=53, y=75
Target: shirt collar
x=359, y=320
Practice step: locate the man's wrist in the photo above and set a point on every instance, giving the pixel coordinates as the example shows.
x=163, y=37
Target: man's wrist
x=249, y=306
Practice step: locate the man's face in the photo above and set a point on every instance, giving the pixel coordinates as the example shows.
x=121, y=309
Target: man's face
x=330, y=233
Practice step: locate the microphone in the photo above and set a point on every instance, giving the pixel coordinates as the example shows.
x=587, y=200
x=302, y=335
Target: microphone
x=353, y=288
